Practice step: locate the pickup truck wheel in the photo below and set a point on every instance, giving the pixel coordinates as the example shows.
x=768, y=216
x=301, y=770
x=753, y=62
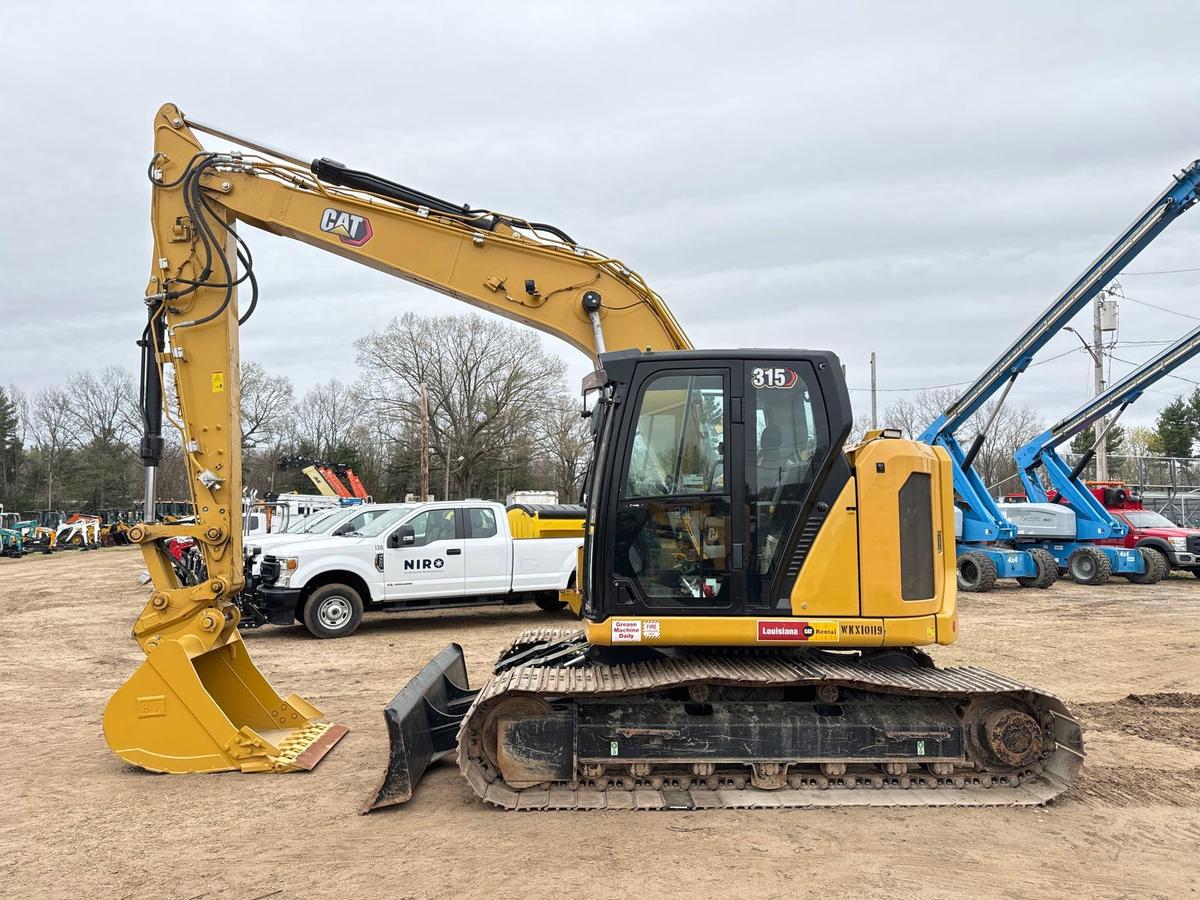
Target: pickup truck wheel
x=1089, y=565
x=333, y=611
x=1157, y=567
x=548, y=600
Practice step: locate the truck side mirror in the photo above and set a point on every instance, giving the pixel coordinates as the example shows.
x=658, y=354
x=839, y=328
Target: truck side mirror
x=343, y=529
x=404, y=535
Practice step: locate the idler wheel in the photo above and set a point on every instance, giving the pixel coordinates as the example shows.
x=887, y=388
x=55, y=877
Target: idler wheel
x=1013, y=737
x=517, y=707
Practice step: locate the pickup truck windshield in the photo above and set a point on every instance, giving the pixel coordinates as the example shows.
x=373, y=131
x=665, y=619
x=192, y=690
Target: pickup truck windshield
x=1145, y=518
x=382, y=523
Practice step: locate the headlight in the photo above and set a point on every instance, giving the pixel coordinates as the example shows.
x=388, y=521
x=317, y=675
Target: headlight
x=287, y=565
x=1179, y=543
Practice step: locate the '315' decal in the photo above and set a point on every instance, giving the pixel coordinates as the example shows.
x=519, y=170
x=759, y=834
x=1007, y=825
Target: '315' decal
x=779, y=377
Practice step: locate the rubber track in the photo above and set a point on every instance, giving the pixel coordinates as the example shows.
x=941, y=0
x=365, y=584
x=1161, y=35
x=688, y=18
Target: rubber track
x=732, y=667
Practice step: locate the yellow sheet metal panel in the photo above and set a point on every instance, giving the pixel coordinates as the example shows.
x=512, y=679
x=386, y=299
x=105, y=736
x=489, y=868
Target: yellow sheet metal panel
x=525, y=526
x=947, y=615
x=882, y=469
x=828, y=582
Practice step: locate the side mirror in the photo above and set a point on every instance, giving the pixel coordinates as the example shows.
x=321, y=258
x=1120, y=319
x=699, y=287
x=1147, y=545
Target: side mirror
x=343, y=529
x=402, y=536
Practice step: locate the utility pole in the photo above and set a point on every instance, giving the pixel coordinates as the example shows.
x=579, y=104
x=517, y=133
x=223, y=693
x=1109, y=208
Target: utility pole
x=1098, y=362
x=424, y=443
x=446, y=490
x=874, y=405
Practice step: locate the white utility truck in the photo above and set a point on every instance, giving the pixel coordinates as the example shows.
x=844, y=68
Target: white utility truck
x=422, y=556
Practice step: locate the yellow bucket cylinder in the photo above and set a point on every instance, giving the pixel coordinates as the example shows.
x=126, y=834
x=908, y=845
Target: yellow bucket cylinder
x=212, y=711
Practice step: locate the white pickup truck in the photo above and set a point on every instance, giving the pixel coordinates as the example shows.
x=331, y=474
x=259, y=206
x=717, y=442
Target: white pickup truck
x=423, y=556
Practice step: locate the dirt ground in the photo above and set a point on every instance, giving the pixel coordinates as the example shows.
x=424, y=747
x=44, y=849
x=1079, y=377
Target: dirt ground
x=77, y=822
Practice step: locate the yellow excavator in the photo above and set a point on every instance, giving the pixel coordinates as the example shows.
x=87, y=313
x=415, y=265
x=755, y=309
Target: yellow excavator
x=754, y=595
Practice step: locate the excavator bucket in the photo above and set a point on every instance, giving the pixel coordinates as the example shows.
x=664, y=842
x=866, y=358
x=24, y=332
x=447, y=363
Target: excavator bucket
x=212, y=712
x=422, y=722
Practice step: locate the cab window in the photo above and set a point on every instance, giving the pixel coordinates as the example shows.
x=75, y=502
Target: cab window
x=481, y=523
x=784, y=449
x=673, y=520
x=433, y=526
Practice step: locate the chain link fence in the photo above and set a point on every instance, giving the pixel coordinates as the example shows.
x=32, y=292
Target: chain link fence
x=1168, y=484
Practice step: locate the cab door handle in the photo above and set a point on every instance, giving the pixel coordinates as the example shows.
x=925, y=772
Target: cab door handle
x=454, y=551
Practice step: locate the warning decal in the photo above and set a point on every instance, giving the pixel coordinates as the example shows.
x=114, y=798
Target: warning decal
x=626, y=631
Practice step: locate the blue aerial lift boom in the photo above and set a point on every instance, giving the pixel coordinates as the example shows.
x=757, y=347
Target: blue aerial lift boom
x=1085, y=519
x=981, y=555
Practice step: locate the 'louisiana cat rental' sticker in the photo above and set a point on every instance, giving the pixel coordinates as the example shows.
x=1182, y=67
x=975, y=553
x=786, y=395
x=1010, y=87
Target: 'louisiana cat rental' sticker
x=796, y=630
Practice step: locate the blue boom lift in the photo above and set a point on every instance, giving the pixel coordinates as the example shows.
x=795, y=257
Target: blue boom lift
x=1080, y=518
x=985, y=545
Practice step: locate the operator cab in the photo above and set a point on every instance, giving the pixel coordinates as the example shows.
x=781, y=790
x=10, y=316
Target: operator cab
x=707, y=468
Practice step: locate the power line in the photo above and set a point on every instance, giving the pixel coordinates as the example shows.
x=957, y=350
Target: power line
x=1169, y=375
x=1161, y=272
x=934, y=387
x=1173, y=312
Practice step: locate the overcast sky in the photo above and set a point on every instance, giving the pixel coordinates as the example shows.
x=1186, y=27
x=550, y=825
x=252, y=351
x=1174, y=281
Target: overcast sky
x=915, y=179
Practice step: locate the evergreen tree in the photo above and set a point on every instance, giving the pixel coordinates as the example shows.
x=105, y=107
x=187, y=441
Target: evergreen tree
x=1175, y=430
x=1114, y=440
x=10, y=447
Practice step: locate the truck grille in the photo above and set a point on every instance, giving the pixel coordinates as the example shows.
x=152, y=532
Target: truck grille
x=1193, y=543
x=269, y=571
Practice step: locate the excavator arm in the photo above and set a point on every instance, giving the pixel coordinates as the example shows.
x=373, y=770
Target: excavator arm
x=198, y=703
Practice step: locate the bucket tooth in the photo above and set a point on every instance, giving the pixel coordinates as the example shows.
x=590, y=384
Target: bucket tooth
x=306, y=747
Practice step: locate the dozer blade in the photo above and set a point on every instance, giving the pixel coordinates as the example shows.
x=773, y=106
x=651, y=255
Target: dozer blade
x=212, y=712
x=422, y=722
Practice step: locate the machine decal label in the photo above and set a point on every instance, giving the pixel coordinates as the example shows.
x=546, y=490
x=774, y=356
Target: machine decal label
x=775, y=377
x=868, y=630
x=652, y=630
x=792, y=630
x=218, y=382
x=351, y=229
x=422, y=564
x=151, y=707
x=626, y=631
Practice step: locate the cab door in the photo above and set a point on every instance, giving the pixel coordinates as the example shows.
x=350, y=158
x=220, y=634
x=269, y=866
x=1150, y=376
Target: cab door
x=433, y=564
x=677, y=543
x=489, y=553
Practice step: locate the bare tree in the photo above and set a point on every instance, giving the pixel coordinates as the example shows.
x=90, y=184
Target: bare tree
x=1012, y=427
x=55, y=432
x=564, y=440
x=105, y=408
x=266, y=406
x=1139, y=440
x=907, y=416
x=325, y=416
x=487, y=380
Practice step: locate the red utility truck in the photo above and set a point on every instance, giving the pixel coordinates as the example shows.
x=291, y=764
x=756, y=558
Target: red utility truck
x=1147, y=528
